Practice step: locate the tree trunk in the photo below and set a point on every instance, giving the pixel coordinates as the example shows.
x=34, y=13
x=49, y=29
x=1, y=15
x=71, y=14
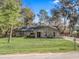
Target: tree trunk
x=71, y=31
x=10, y=35
x=64, y=25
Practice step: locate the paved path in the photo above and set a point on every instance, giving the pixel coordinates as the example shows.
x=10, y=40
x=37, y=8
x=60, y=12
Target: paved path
x=71, y=38
x=71, y=55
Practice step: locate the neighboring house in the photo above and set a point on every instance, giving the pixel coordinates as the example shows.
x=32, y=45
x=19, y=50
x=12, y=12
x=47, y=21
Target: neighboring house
x=40, y=31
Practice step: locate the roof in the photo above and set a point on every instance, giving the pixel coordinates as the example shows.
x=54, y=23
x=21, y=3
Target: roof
x=30, y=29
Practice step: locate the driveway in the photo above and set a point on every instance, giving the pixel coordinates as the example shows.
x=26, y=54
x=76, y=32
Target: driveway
x=70, y=55
x=71, y=39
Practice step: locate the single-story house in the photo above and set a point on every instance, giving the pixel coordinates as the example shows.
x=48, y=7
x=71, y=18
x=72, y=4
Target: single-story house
x=40, y=31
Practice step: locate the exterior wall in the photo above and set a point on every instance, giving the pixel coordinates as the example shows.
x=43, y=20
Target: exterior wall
x=26, y=34
x=44, y=33
x=47, y=32
x=18, y=34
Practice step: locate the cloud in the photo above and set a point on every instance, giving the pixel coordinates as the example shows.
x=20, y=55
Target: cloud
x=56, y=1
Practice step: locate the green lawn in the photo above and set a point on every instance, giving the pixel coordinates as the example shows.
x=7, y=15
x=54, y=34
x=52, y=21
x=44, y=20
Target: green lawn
x=21, y=45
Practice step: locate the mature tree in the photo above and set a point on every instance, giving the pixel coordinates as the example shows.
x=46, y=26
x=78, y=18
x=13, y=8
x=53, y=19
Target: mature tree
x=28, y=16
x=43, y=16
x=9, y=15
x=2, y=18
x=56, y=20
x=69, y=8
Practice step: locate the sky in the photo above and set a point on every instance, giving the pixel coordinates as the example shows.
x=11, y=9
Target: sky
x=37, y=5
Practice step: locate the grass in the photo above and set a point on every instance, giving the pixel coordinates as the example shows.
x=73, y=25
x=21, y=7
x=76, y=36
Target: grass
x=31, y=45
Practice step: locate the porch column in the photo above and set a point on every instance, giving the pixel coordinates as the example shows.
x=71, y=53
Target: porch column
x=35, y=34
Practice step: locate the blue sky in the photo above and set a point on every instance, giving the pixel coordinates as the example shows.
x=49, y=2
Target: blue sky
x=37, y=5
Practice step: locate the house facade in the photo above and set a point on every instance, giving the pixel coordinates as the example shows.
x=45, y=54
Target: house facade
x=42, y=31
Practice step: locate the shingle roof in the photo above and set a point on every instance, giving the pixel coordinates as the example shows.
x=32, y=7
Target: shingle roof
x=30, y=29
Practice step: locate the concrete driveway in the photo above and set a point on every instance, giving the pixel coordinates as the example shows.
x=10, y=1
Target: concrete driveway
x=70, y=55
x=71, y=39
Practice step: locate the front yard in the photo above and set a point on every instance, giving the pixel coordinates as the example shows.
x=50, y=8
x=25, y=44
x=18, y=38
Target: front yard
x=31, y=45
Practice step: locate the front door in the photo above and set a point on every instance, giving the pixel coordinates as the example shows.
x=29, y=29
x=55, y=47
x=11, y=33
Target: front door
x=38, y=34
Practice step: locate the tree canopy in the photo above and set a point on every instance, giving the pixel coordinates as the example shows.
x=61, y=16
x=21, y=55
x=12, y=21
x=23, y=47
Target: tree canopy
x=9, y=14
x=28, y=16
